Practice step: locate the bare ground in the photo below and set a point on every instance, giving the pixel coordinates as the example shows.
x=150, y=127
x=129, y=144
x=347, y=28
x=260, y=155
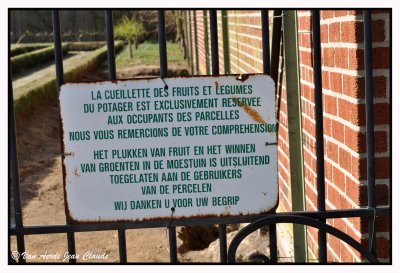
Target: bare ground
x=39, y=157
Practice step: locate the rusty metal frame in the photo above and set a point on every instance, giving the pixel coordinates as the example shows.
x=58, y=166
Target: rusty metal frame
x=309, y=218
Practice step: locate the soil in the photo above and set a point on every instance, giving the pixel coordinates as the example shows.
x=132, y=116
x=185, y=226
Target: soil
x=38, y=143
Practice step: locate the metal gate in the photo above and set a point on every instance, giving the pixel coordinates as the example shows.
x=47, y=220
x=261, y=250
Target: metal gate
x=316, y=219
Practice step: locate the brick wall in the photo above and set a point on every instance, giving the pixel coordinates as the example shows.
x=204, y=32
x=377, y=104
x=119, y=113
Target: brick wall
x=344, y=114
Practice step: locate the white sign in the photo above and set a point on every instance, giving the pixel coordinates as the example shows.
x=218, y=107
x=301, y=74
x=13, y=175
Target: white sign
x=202, y=145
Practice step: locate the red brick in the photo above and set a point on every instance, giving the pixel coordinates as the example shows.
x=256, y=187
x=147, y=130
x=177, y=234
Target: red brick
x=284, y=162
x=357, y=168
x=336, y=82
x=334, y=243
x=338, y=131
x=354, y=139
x=305, y=40
x=380, y=11
x=304, y=23
x=324, y=34
x=353, y=190
x=356, y=59
x=357, y=114
x=381, y=113
x=382, y=248
x=328, y=171
x=325, y=80
x=345, y=109
x=381, y=58
x=328, y=57
x=356, y=222
x=340, y=224
x=345, y=159
x=345, y=255
x=326, y=14
x=339, y=179
x=330, y=258
x=382, y=224
x=334, y=32
x=382, y=195
x=353, y=86
x=327, y=126
x=354, y=12
x=311, y=195
x=330, y=104
x=381, y=142
x=332, y=151
x=378, y=31
x=333, y=196
x=340, y=13
x=351, y=32
x=306, y=58
x=341, y=57
x=380, y=86
x=382, y=168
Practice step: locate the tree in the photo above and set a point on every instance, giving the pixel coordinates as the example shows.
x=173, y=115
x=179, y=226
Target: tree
x=129, y=30
x=180, y=33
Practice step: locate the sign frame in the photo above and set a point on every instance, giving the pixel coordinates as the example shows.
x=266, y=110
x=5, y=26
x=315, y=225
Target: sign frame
x=242, y=78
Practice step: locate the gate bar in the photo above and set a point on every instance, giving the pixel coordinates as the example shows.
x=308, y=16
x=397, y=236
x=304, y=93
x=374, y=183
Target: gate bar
x=186, y=31
x=215, y=72
x=58, y=57
x=319, y=133
x=190, y=57
x=196, y=41
x=225, y=41
x=112, y=75
x=265, y=41
x=206, y=44
x=214, y=43
x=163, y=73
x=273, y=248
x=330, y=214
x=276, y=44
x=14, y=170
x=162, y=44
x=369, y=109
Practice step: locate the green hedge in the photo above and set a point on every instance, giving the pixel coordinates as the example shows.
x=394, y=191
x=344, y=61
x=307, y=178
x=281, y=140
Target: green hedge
x=17, y=49
x=85, y=46
x=44, y=90
x=30, y=59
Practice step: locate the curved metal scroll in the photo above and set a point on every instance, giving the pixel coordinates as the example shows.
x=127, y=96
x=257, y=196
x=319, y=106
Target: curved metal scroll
x=276, y=219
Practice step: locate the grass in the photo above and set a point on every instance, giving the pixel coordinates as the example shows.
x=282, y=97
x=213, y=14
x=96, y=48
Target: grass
x=148, y=54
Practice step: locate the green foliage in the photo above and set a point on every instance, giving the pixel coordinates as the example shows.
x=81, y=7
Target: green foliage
x=129, y=30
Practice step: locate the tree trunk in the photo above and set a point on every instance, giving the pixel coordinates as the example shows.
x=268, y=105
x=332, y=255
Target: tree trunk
x=130, y=49
x=180, y=31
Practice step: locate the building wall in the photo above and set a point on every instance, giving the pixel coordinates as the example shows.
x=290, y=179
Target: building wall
x=343, y=72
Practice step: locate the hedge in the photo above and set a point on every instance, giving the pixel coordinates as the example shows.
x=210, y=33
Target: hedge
x=85, y=46
x=30, y=59
x=17, y=49
x=44, y=89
